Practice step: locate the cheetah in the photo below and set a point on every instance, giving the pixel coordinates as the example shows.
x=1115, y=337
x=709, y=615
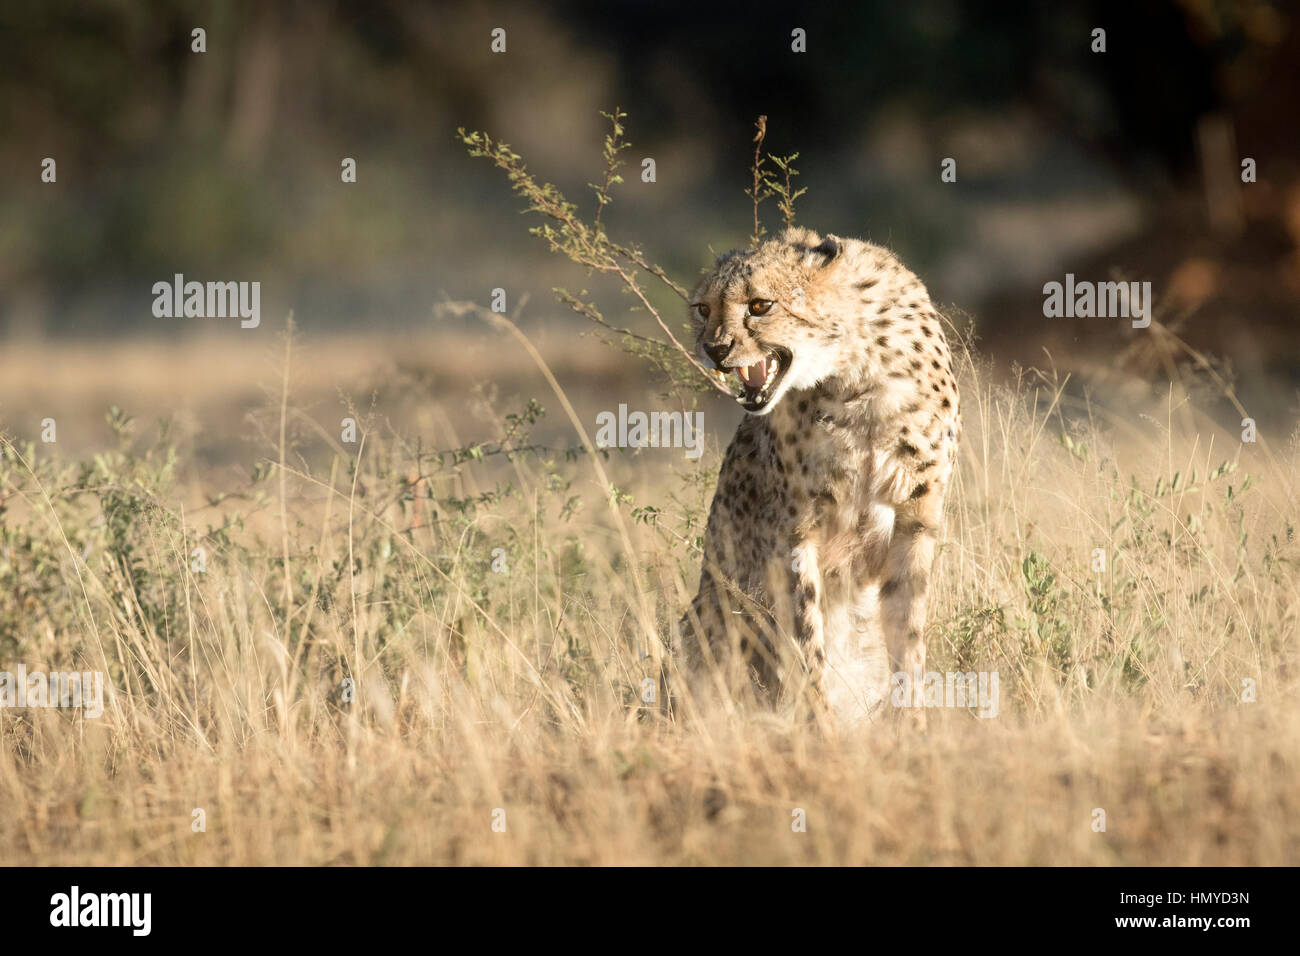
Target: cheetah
x=823, y=527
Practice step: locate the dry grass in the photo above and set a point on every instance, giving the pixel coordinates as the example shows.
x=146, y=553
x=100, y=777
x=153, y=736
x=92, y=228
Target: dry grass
x=477, y=690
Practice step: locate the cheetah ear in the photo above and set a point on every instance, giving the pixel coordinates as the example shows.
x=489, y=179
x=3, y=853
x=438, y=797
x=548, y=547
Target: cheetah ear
x=826, y=253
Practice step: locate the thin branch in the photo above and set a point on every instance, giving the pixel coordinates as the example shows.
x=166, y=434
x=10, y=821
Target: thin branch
x=756, y=192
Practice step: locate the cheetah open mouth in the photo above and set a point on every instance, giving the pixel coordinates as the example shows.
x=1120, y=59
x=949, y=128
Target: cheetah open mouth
x=754, y=385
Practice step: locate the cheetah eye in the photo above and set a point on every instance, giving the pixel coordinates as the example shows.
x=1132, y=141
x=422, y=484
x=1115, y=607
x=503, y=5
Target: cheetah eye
x=703, y=308
x=760, y=306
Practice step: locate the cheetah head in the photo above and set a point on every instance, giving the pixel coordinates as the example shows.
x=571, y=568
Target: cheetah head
x=756, y=318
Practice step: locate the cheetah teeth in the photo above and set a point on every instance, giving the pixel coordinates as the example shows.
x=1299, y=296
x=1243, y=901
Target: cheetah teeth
x=753, y=376
x=756, y=380
x=752, y=382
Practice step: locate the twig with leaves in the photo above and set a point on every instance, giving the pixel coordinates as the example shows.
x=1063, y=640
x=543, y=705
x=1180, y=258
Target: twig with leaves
x=585, y=243
x=758, y=191
x=765, y=185
x=588, y=244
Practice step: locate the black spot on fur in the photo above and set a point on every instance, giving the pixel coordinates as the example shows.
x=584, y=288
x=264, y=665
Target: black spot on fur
x=829, y=248
x=919, y=490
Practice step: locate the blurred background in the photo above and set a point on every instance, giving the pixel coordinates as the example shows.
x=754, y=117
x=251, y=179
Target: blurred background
x=225, y=165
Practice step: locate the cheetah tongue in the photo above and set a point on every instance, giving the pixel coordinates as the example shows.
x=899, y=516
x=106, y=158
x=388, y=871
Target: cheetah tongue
x=754, y=376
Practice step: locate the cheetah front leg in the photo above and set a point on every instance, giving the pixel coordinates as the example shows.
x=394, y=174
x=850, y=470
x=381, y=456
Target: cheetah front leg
x=810, y=624
x=704, y=639
x=905, y=585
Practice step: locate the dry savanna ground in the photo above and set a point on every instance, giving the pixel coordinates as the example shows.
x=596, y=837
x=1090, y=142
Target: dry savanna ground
x=429, y=645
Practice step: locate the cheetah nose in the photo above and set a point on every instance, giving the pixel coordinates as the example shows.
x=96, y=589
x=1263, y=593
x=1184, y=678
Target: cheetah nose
x=718, y=353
